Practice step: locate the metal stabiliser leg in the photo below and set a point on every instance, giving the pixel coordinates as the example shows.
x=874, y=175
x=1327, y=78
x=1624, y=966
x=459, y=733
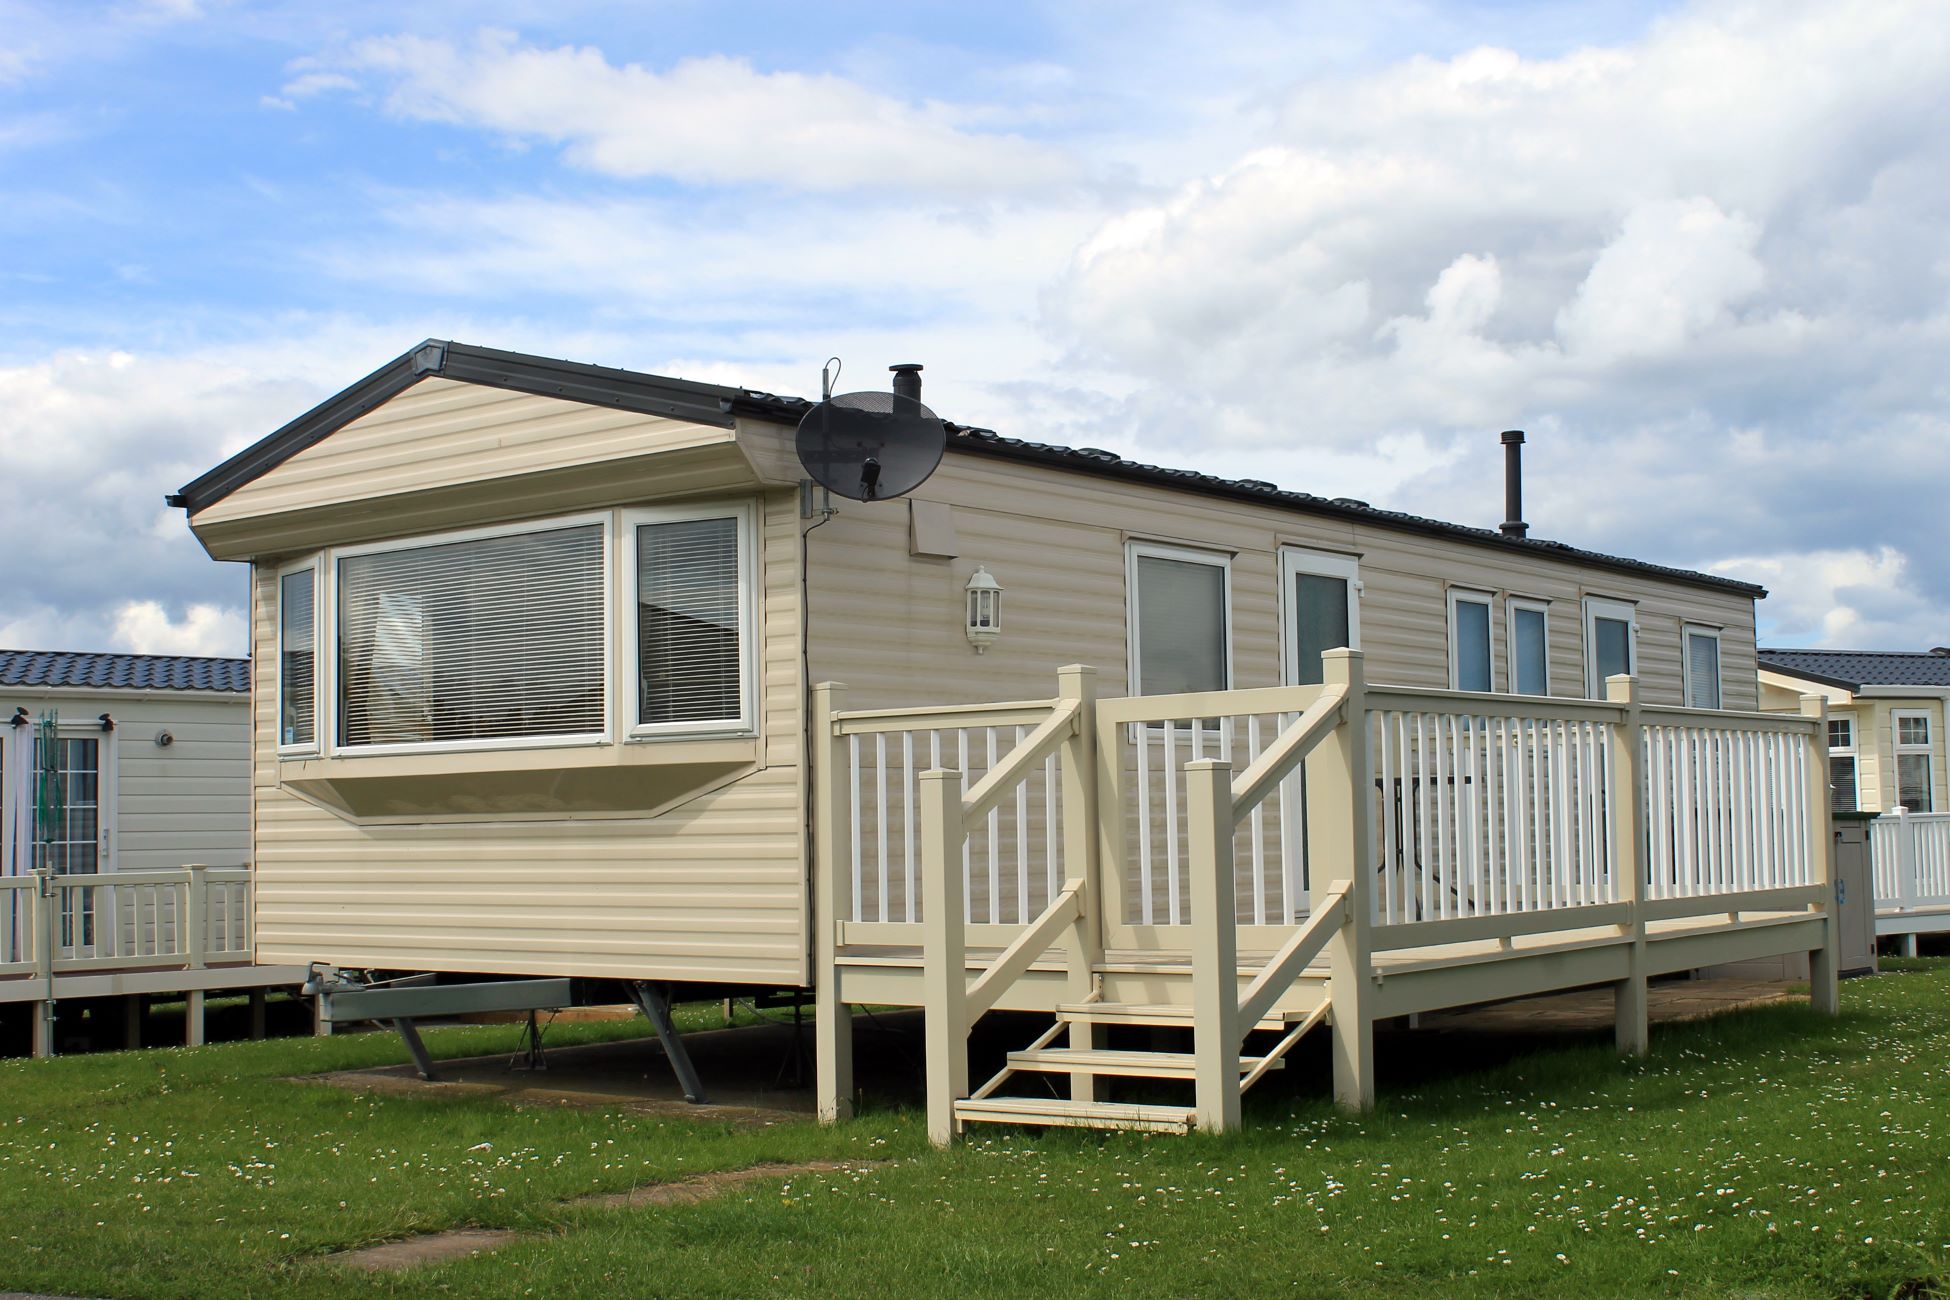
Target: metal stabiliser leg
x=410, y=1035
x=652, y=1000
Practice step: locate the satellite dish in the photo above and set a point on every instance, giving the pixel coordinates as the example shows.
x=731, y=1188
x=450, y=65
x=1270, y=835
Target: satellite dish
x=873, y=446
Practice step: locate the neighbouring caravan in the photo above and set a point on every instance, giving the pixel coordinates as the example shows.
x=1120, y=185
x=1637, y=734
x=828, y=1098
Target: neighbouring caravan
x=125, y=785
x=538, y=660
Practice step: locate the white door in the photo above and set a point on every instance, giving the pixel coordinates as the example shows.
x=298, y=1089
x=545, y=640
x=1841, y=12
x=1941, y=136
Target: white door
x=1320, y=610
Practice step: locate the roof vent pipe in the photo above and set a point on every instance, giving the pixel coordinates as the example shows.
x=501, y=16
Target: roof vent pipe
x=907, y=381
x=1513, y=524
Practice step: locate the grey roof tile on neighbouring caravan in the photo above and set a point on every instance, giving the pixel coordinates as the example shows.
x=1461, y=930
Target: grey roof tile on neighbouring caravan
x=715, y=404
x=1854, y=669
x=123, y=672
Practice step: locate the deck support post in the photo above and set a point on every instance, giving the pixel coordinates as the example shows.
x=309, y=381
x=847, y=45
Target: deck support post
x=832, y=1018
x=1824, y=963
x=320, y=1026
x=1216, y=1034
x=1631, y=1014
x=41, y=920
x=944, y=982
x=257, y=1014
x=1078, y=764
x=1909, y=944
x=133, y=1007
x=1340, y=823
x=193, y=1018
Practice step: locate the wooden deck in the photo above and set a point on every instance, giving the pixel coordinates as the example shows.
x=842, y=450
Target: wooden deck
x=1289, y=860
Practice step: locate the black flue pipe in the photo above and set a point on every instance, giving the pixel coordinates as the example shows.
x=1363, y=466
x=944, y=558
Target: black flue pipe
x=1513, y=524
x=907, y=381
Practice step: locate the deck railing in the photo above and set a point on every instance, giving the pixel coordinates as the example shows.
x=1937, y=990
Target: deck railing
x=189, y=917
x=1910, y=853
x=1218, y=828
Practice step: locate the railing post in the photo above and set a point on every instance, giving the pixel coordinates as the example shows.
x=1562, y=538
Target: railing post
x=1340, y=824
x=196, y=917
x=1216, y=1032
x=44, y=902
x=944, y=957
x=832, y=1018
x=1905, y=859
x=1824, y=963
x=1078, y=765
x=1631, y=1016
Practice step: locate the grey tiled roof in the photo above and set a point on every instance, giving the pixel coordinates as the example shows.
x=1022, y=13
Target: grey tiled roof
x=1855, y=669
x=123, y=672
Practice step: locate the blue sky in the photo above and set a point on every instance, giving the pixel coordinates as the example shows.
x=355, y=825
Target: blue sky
x=1696, y=249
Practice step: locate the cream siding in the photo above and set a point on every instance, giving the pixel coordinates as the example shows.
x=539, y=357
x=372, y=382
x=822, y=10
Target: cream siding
x=186, y=803
x=890, y=625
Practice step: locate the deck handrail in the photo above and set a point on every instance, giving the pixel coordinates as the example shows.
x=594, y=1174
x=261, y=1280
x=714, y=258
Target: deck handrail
x=1288, y=751
x=1038, y=745
x=153, y=918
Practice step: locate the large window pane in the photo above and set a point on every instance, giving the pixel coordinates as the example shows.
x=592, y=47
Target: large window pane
x=1469, y=643
x=1320, y=619
x=1181, y=626
x=490, y=638
x=1529, y=652
x=1913, y=781
x=1613, y=641
x=689, y=654
x=297, y=658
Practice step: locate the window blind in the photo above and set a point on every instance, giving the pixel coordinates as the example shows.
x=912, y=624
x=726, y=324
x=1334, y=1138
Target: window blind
x=690, y=643
x=1841, y=773
x=490, y=638
x=1181, y=618
x=297, y=658
x=1703, y=669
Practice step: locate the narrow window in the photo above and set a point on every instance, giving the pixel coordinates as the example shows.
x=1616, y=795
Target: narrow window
x=1608, y=633
x=1181, y=630
x=1469, y=641
x=298, y=659
x=1914, y=769
x=1530, y=651
x=1323, y=611
x=478, y=639
x=1842, y=785
x=1702, y=668
x=693, y=619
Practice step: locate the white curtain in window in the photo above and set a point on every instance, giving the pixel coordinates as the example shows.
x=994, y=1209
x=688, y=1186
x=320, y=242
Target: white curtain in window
x=690, y=651
x=1181, y=626
x=484, y=639
x=1703, y=671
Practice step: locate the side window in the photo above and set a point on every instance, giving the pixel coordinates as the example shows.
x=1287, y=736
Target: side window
x=1702, y=667
x=1842, y=782
x=1180, y=622
x=1469, y=641
x=1915, y=766
x=1529, y=647
x=1610, y=629
x=1321, y=605
x=694, y=613
x=298, y=659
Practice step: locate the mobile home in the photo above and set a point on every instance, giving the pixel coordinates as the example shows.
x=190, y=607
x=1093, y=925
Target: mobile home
x=560, y=671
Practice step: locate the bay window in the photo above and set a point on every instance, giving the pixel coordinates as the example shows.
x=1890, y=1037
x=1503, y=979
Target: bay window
x=690, y=632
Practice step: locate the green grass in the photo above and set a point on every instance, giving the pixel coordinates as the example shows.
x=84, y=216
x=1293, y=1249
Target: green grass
x=1767, y=1153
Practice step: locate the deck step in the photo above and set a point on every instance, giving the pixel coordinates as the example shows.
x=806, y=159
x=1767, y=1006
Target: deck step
x=1140, y=1065
x=1163, y=1015
x=1057, y=1113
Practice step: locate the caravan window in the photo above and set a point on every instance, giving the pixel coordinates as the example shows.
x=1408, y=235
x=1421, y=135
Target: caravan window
x=1609, y=627
x=1529, y=649
x=691, y=627
x=1915, y=769
x=487, y=637
x=1181, y=628
x=1469, y=641
x=1702, y=667
x=298, y=659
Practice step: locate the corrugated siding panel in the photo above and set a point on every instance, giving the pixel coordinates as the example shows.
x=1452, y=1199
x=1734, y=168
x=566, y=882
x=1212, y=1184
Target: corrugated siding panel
x=890, y=625
x=713, y=890
x=440, y=433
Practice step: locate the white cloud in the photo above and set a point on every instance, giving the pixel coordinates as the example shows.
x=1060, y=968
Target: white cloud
x=711, y=120
x=1854, y=599
x=145, y=627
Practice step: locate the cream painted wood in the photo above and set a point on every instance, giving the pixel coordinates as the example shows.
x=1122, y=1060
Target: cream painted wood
x=1085, y=946
x=1339, y=798
x=1824, y=963
x=832, y=1019
x=1215, y=958
x=1630, y=835
x=945, y=961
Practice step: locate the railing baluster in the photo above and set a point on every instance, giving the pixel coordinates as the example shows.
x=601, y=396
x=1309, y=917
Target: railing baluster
x=1023, y=914
x=1258, y=826
x=908, y=809
x=1173, y=914
x=880, y=822
x=859, y=877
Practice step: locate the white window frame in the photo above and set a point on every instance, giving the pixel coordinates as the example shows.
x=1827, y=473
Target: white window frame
x=746, y=723
x=1512, y=605
x=605, y=518
x=1899, y=750
x=319, y=655
x=1487, y=599
x=1687, y=631
x=1135, y=551
x=17, y=748
x=1595, y=608
x=1296, y=560
x=1851, y=751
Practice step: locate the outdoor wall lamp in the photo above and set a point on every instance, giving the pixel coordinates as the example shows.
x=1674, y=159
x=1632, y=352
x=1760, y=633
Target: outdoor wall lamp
x=984, y=609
